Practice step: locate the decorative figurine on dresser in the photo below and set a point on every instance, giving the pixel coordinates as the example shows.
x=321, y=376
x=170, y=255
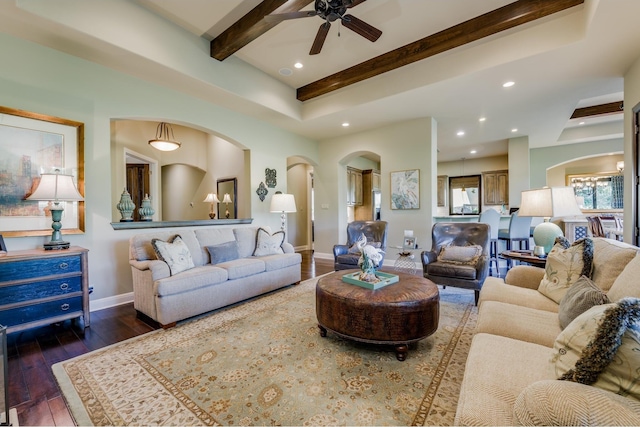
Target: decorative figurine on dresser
x=39, y=287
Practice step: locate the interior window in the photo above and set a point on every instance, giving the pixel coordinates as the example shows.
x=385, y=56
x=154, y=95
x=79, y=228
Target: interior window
x=598, y=191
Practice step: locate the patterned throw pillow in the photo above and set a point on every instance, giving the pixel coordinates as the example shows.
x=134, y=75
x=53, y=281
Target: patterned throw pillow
x=268, y=244
x=580, y=297
x=460, y=254
x=564, y=267
x=601, y=347
x=174, y=252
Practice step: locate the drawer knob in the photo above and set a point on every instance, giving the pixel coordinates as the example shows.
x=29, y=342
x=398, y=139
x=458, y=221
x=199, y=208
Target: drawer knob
x=65, y=306
x=64, y=266
x=64, y=286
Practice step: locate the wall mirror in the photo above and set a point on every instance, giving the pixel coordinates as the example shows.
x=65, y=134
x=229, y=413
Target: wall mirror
x=464, y=195
x=599, y=192
x=227, y=194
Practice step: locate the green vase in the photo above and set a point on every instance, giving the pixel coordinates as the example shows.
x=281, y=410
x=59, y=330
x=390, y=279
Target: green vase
x=146, y=211
x=126, y=206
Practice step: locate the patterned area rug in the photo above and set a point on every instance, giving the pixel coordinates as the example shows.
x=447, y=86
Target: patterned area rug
x=264, y=363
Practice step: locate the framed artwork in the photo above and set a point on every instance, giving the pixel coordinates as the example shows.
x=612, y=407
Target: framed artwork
x=32, y=144
x=409, y=243
x=405, y=189
x=3, y=247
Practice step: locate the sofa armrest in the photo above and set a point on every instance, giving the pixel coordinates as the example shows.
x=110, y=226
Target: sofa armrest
x=428, y=257
x=565, y=403
x=159, y=269
x=287, y=248
x=340, y=250
x=525, y=276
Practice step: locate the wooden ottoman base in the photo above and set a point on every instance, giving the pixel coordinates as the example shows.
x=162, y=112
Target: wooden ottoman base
x=397, y=315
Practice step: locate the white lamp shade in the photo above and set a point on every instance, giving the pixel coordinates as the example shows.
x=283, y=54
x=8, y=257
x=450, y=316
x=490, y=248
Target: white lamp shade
x=56, y=187
x=549, y=202
x=226, y=198
x=283, y=203
x=211, y=198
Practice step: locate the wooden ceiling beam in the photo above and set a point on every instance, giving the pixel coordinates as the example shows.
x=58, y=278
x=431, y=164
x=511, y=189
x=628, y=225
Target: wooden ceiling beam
x=251, y=26
x=597, y=110
x=504, y=18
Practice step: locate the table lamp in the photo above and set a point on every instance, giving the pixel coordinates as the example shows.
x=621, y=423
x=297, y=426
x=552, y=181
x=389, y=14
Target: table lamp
x=548, y=202
x=56, y=188
x=212, y=198
x=226, y=200
x=283, y=203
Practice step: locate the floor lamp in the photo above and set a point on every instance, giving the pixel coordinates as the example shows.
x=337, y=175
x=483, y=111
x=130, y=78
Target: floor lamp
x=283, y=203
x=548, y=202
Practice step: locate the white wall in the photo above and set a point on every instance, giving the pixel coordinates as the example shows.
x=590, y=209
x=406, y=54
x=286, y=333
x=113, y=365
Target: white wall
x=407, y=145
x=38, y=79
x=556, y=177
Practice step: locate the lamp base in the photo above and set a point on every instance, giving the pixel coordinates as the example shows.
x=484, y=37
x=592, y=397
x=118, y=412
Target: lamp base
x=545, y=235
x=55, y=246
x=212, y=215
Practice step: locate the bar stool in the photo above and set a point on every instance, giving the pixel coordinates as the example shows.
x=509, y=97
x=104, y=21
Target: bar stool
x=519, y=231
x=492, y=218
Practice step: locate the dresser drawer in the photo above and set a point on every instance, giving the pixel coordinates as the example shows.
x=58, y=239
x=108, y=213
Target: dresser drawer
x=35, y=312
x=39, y=290
x=30, y=268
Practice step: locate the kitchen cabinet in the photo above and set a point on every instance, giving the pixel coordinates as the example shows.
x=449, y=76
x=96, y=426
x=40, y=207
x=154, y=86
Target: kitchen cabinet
x=366, y=211
x=442, y=190
x=354, y=191
x=496, y=187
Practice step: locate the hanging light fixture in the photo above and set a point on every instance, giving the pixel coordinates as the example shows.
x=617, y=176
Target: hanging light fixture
x=164, y=141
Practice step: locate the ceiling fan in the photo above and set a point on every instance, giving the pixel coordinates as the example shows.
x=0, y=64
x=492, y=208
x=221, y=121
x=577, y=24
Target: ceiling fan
x=331, y=10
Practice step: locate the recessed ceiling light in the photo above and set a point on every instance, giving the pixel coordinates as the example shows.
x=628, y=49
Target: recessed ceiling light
x=298, y=65
x=514, y=130
x=285, y=71
x=345, y=124
x=508, y=84
x=482, y=119
x=581, y=123
x=473, y=151
x=460, y=133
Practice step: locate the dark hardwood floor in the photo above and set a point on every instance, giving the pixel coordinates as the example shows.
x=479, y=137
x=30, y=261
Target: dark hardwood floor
x=33, y=391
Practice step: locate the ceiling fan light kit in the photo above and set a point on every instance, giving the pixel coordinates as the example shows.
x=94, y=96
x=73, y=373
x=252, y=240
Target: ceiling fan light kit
x=330, y=11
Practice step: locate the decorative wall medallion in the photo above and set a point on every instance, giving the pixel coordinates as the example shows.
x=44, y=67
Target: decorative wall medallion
x=270, y=177
x=262, y=191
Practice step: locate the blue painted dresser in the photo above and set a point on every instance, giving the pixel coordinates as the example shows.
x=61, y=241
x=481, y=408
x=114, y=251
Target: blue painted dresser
x=39, y=287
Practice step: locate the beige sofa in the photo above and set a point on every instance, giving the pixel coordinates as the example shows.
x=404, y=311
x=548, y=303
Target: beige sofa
x=510, y=376
x=168, y=298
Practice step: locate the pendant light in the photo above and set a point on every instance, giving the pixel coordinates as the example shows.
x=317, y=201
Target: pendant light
x=164, y=141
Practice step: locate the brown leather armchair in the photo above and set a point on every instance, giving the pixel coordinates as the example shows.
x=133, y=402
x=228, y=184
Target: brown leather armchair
x=375, y=231
x=455, y=267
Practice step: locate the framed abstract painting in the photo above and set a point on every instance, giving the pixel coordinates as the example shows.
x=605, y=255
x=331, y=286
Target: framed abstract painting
x=405, y=189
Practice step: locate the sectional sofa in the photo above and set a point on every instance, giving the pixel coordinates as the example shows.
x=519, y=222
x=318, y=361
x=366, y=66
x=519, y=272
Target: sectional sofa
x=203, y=269
x=520, y=349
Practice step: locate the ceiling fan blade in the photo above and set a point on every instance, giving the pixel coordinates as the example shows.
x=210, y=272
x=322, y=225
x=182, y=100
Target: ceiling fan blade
x=320, y=37
x=367, y=31
x=279, y=17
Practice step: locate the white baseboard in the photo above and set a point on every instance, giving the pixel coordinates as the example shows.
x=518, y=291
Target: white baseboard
x=301, y=248
x=102, y=303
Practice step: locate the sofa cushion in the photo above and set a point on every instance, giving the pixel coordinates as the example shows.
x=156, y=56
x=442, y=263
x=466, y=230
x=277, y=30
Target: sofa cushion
x=461, y=255
x=448, y=269
x=580, y=297
x=174, y=252
x=243, y=267
x=268, y=244
x=223, y=252
x=276, y=262
x=587, y=345
x=190, y=280
x=561, y=403
x=348, y=259
x=564, y=267
x=495, y=289
x=518, y=322
x=609, y=260
x=626, y=284
x=497, y=370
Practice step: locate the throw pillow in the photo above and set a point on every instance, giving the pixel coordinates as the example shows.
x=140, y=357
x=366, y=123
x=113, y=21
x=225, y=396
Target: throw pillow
x=268, y=244
x=610, y=257
x=626, y=284
x=460, y=254
x=223, y=252
x=174, y=252
x=580, y=297
x=601, y=347
x=564, y=267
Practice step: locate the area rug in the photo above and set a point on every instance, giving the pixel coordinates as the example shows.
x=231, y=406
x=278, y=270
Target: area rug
x=264, y=362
